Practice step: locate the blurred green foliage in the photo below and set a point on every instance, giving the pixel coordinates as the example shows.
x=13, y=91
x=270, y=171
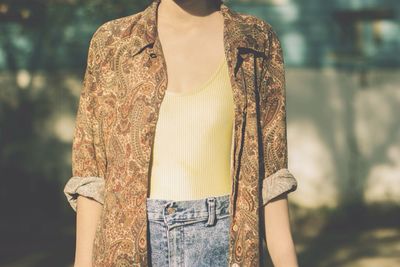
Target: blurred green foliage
x=50, y=35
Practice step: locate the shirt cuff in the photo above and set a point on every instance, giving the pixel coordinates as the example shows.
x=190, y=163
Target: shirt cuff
x=91, y=187
x=278, y=183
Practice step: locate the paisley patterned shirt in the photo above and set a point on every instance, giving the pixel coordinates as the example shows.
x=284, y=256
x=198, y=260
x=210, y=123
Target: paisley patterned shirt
x=124, y=83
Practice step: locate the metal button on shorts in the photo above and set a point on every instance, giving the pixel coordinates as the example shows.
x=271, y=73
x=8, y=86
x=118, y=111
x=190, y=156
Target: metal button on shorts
x=189, y=233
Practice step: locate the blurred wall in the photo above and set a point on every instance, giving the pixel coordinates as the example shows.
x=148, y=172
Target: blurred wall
x=343, y=97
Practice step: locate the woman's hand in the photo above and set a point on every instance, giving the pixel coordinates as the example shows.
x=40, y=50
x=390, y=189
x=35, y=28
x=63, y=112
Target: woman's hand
x=278, y=233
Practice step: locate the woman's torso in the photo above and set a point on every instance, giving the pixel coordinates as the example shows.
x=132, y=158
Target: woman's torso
x=192, y=145
x=193, y=141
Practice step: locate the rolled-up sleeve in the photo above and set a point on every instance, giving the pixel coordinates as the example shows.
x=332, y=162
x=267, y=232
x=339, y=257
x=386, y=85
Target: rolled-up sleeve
x=88, y=153
x=278, y=183
x=277, y=178
x=90, y=187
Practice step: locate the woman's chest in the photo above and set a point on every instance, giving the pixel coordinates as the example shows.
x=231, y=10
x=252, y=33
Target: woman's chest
x=134, y=84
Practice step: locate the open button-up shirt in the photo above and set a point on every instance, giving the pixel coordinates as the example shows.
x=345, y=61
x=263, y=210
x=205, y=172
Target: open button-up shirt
x=124, y=84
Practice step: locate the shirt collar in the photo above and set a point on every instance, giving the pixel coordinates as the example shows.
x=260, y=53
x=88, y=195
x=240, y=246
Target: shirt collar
x=147, y=27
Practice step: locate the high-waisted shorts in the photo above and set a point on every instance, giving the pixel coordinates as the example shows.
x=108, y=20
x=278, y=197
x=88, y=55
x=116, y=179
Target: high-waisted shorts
x=190, y=233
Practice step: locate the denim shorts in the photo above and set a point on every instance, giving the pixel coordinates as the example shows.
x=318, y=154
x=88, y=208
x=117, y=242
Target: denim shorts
x=190, y=232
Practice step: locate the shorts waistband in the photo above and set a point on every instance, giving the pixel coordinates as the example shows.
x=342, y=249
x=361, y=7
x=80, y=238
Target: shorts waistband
x=184, y=210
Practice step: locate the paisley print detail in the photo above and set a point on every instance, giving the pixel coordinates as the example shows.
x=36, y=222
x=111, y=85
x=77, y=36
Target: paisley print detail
x=122, y=92
x=137, y=121
x=123, y=260
x=99, y=242
x=116, y=163
x=121, y=68
x=115, y=153
x=277, y=178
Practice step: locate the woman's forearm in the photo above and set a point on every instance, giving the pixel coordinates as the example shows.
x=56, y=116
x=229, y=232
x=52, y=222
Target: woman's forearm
x=88, y=213
x=278, y=233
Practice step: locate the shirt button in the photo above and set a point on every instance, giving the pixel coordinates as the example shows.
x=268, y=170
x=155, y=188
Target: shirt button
x=170, y=210
x=235, y=227
x=153, y=55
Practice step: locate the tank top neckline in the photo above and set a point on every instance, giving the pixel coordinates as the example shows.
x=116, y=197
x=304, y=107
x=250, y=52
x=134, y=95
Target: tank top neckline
x=202, y=86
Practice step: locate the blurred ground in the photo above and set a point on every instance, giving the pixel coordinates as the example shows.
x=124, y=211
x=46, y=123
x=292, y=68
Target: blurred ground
x=324, y=238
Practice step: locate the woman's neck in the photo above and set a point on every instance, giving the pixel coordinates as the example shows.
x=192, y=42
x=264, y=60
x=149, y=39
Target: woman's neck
x=186, y=12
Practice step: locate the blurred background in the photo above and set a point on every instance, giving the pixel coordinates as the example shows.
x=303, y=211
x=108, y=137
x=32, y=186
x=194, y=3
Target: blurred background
x=342, y=62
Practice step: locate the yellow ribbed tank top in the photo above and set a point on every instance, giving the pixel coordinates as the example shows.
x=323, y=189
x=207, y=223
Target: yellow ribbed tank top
x=193, y=141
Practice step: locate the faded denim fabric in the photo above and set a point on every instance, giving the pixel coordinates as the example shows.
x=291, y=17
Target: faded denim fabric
x=187, y=233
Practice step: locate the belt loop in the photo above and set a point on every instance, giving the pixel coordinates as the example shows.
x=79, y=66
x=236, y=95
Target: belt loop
x=168, y=204
x=211, y=211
